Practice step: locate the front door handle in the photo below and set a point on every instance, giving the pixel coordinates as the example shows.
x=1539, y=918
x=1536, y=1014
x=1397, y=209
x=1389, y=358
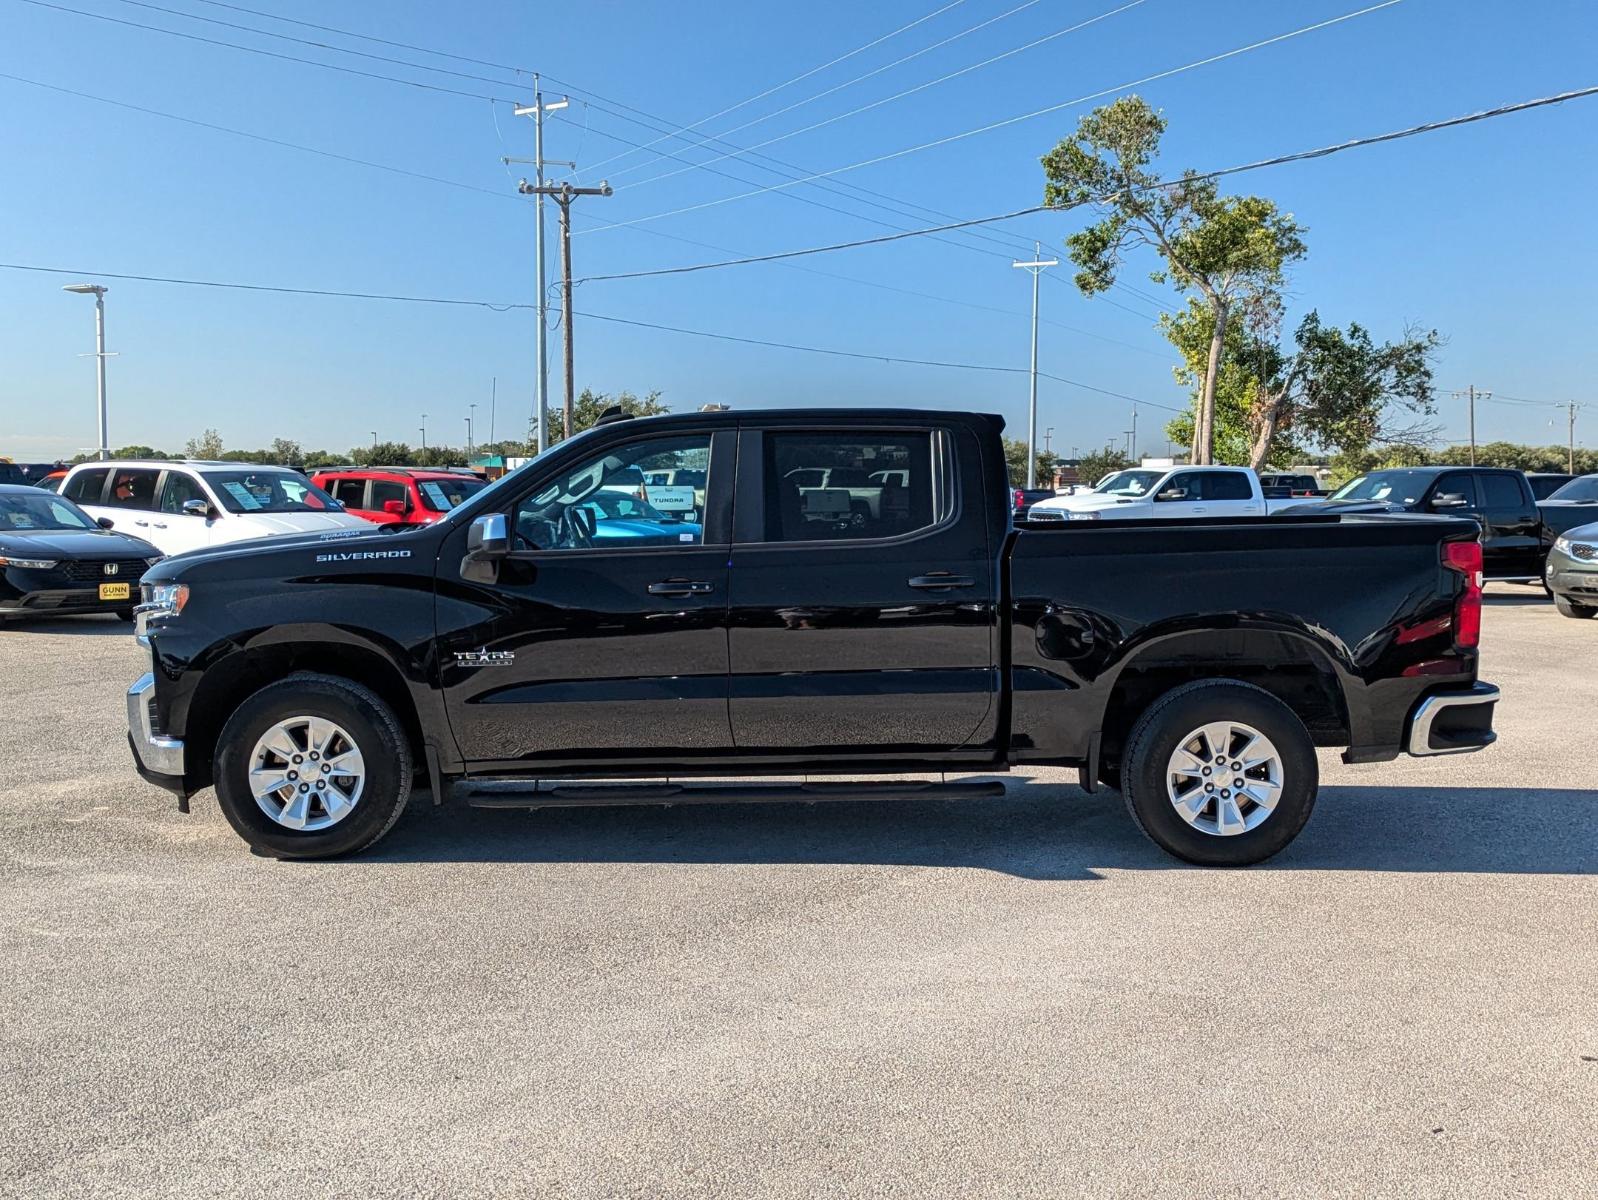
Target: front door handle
x=679, y=587
x=941, y=581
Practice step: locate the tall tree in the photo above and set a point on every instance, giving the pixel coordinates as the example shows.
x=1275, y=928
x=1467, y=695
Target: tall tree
x=1094, y=466
x=1231, y=250
x=286, y=453
x=1015, y=462
x=591, y=405
x=1331, y=388
x=207, y=445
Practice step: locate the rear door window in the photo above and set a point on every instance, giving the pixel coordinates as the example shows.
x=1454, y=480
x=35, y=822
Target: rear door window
x=351, y=493
x=1501, y=493
x=1223, y=485
x=86, y=486
x=133, y=487
x=847, y=485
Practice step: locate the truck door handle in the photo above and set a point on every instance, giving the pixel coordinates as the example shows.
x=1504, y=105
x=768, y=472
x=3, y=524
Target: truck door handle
x=679, y=587
x=941, y=581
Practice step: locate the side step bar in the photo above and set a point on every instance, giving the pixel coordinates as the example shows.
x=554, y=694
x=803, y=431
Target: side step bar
x=575, y=795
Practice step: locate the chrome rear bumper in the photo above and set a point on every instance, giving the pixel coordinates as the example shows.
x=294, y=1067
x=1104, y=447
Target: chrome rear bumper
x=1453, y=722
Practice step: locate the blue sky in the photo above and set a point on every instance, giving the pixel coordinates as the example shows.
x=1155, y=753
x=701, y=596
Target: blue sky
x=1484, y=233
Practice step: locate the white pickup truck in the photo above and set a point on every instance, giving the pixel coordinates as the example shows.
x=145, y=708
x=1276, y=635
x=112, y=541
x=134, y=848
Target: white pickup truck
x=1143, y=492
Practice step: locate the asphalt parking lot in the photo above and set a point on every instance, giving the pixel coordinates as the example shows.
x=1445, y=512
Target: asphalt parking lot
x=998, y=999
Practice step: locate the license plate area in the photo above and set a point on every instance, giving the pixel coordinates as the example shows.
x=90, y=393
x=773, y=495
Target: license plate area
x=115, y=591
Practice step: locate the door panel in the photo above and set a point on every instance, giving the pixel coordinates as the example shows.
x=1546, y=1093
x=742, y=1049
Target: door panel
x=841, y=641
x=180, y=531
x=595, y=654
x=1515, y=526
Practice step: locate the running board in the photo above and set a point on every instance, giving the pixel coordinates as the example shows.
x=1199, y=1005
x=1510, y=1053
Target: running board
x=567, y=795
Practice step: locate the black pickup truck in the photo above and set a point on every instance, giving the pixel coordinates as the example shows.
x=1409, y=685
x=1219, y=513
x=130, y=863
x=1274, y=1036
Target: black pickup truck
x=570, y=625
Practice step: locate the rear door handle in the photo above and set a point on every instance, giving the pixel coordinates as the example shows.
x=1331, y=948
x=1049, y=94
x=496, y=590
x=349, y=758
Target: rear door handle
x=941, y=581
x=679, y=587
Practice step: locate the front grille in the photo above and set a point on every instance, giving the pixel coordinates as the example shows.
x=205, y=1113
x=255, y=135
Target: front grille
x=93, y=570
x=1584, y=552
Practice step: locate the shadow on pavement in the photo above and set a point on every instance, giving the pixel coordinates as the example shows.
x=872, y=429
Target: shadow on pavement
x=1516, y=599
x=1038, y=831
x=80, y=624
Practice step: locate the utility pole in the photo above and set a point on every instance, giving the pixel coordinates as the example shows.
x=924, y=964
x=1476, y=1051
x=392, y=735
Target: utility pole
x=1048, y=440
x=424, y=431
x=469, y=439
x=563, y=194
x=536, y=111
x=1473, y=424
x=98, y=292
x=1037, y=266
x=374, y=439
x=1571, y=462
x=493, y=396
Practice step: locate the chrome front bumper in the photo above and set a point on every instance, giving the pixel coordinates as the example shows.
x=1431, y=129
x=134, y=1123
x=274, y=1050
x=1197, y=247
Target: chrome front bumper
x=156, y=753
x=1454, y=722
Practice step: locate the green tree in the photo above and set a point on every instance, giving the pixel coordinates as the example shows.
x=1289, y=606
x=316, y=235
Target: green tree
x=590, y=405
x=1231, y=250
x=135, y=452
x=286, y=453
x=207, y=445
x=1332, y=388
x=440, y=456
x=384, y=454
x=1095, y=466
x=1015, y=461
x=313, y=460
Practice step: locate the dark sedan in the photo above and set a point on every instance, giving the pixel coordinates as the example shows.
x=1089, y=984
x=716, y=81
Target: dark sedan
x=55, y=558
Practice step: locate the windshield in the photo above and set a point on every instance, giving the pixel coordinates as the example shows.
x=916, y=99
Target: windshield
x=28, y=512
x=441, y=495
x=1388, y=487
x=1130, y=483
x=268, y=491
x=1585, y=488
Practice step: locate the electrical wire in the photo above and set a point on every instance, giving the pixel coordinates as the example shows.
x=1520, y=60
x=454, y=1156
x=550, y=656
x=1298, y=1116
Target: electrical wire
x=1053, y=108
x=812, y=71
x=1299, y=156
x=920, y=87
x=848, y=83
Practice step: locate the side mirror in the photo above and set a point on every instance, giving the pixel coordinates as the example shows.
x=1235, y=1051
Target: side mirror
x=395, y=508
x=196, y=508
x=487, y=541
x=104, y=522
x=1172, y=494
x=1448, y=500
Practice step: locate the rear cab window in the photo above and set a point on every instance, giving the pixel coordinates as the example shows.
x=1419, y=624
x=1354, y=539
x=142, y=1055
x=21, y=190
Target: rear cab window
x=848, y=484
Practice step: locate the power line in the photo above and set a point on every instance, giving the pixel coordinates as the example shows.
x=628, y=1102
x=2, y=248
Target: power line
x=920, y=87
x=807, y=74
x=1299, y=156
x=1053, y=108
x=311, y=62
x=258, y=137
x=848, y=83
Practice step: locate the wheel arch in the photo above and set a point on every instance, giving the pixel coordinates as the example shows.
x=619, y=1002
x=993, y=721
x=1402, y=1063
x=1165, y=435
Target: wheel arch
x=228, y=681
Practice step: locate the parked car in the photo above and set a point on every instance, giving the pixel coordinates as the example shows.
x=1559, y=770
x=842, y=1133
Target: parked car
x=310, y=678
x=1545, y=483
x=52, y=482
x=55, y=558
x=1515, y=537
x=1165, y=492
x=1278, y=485
x=188, y=505
x=1571, y=573
x=407, y=495
x=1023, y=499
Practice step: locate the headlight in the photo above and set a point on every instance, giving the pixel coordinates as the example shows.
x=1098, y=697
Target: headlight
x=165, y=599
x=1083, y=516
x=28, y=564
x=1564, y=545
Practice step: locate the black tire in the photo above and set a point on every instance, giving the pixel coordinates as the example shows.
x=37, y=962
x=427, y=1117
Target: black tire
x=1167, y=724
x=1569, y=608
x=370, y=724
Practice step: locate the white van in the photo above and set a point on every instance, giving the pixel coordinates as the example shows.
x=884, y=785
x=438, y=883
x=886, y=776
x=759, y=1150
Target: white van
x=188, y=505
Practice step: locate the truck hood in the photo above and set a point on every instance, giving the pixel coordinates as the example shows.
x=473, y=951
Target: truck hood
x=1088, y=502
x=295, y=554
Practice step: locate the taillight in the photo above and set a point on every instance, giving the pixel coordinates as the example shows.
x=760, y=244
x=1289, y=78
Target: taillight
x=1020, y=499
x=1465, y=557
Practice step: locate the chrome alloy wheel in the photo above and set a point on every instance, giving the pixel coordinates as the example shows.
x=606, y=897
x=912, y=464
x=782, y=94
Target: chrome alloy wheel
x=306, y=773
x=1224, y=778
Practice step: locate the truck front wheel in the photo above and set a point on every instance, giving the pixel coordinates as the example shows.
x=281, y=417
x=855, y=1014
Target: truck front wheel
x=1569, y=608
x=1220, y=773
x=312, y=766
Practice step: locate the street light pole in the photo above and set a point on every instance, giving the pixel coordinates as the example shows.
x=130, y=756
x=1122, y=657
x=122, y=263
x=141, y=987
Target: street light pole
x=1037, y=267
x=424, y=431
x=563, y=195
x=98, y=292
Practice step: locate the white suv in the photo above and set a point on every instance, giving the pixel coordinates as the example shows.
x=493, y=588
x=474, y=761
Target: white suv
x=179, y=506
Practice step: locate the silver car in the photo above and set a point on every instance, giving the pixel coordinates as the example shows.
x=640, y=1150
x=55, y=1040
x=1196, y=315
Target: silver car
x=1572, y=571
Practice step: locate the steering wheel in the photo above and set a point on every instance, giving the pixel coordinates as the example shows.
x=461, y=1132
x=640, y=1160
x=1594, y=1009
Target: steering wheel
x=573, y=533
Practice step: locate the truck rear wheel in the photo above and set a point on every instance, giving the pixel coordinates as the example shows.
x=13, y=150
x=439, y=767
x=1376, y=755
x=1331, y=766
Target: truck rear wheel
x=1220, y=773
x=312, y=766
